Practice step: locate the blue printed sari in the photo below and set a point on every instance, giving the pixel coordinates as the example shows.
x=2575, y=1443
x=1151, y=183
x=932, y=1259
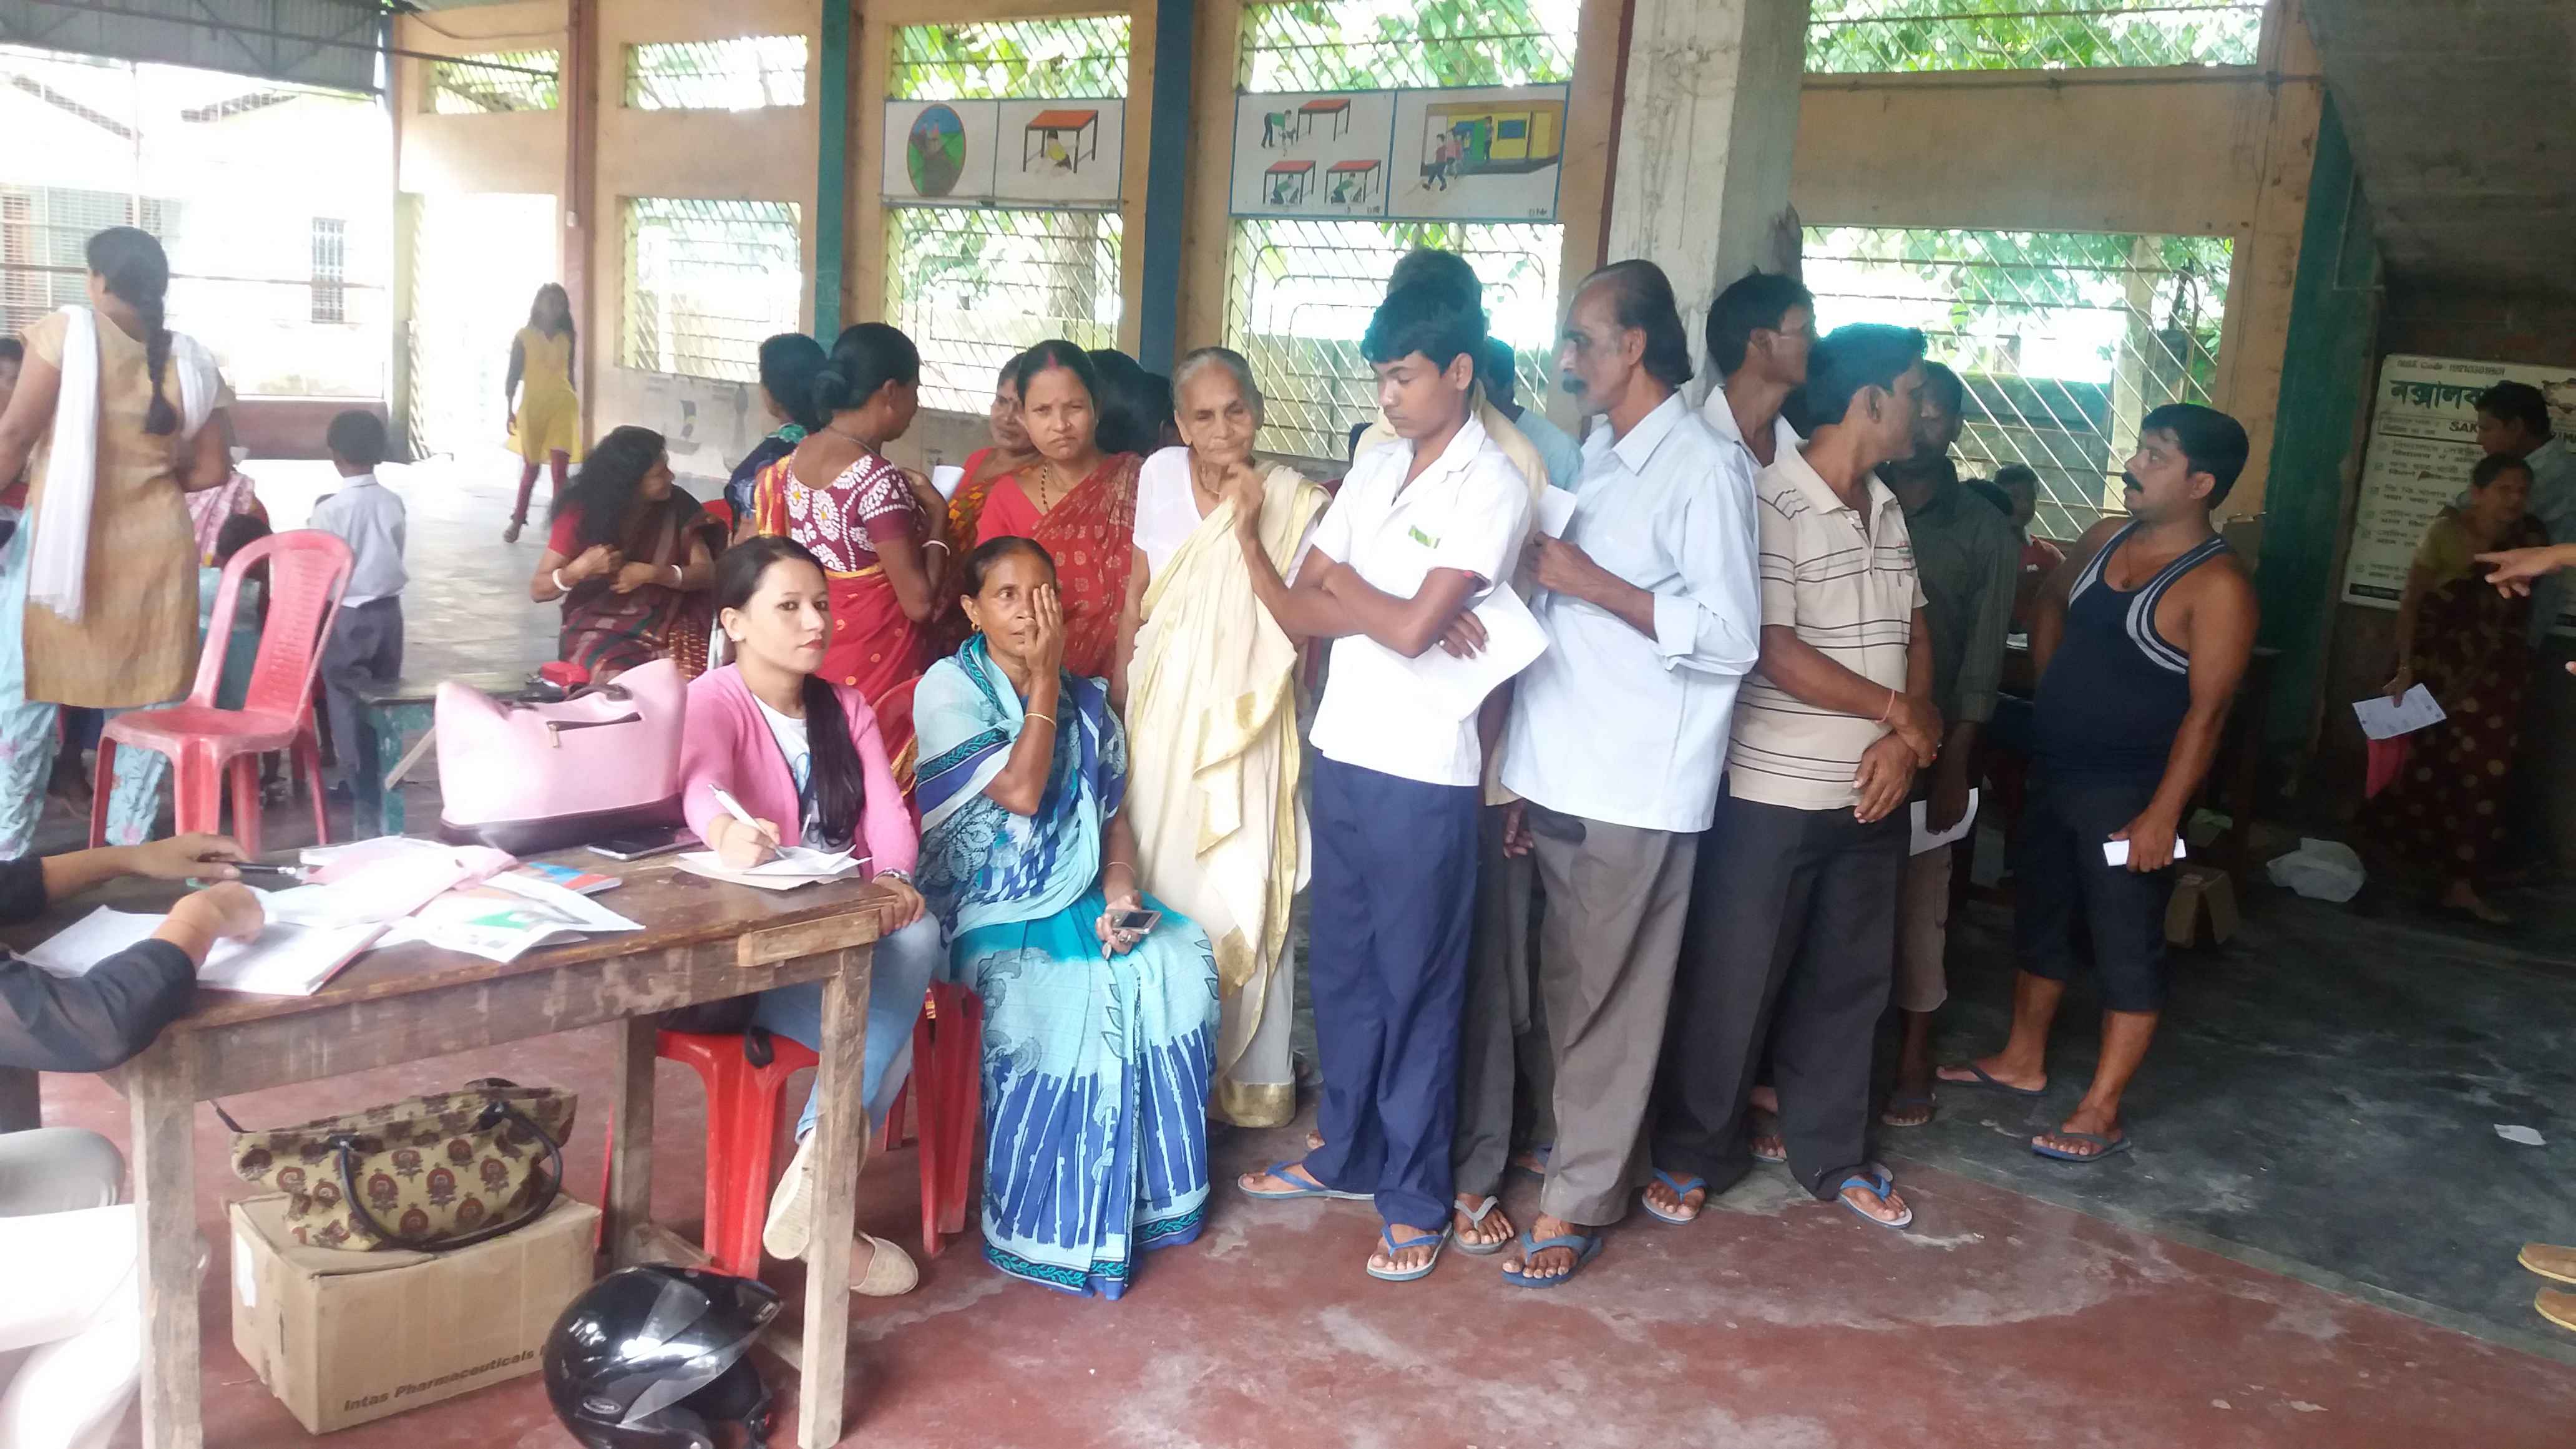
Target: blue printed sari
x=1096, y=1067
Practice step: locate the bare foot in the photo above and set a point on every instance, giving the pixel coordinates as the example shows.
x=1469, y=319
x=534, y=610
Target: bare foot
x=1314, y=1141
x=1999, y=1072
x=2086, y=1119
x=1907, y=1108
x=1414, y=1249
x=2463, y=896
x=1549, y=1262
x=1682, y=1207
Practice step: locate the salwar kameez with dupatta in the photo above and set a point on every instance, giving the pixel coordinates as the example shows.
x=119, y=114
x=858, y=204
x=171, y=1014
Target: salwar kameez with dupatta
x=1212, y=719
x=1095, y=1066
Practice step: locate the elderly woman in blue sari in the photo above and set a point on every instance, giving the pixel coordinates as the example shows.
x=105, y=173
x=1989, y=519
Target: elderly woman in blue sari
x=1100, y=1008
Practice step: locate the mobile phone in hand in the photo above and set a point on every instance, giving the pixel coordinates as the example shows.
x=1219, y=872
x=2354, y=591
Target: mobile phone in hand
x=1138, y=921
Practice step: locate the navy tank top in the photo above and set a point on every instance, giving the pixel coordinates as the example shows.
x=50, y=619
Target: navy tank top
x=2116, y=691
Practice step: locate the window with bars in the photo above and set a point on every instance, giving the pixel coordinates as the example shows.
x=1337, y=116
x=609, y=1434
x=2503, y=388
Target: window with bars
x=744, y=73
x=1299, y=293
x=330, y=270
x=972, y=286
x=706, y=282
x=505, y=80
x=1849, y=36
x=2063, y=339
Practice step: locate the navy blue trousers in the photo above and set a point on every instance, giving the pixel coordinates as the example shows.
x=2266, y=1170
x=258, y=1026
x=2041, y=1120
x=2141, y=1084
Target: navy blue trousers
x=1394, y=905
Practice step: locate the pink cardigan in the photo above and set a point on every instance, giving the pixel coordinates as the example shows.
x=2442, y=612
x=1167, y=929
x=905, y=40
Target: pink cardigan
x=728, y=744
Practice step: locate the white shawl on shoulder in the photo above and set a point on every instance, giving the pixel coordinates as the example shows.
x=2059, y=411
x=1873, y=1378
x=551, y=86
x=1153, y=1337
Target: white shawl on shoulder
x=58, y=566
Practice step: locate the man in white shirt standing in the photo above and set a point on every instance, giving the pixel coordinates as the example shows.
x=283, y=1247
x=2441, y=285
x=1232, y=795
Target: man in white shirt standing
x=1652, y=610
x=1794, y=930
x=366, y=648
x=1424, y=528
x=1761, y=330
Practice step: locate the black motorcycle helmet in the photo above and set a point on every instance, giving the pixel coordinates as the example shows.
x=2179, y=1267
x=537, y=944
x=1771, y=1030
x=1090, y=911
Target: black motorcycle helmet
x=654, y=1357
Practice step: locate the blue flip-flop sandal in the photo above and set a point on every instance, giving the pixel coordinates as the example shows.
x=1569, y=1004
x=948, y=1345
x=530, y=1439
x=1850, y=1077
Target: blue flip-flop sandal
x=1681, y=1187
x=1280, y=1170
x=1483, y=1211
x=1386, y=1235
x=1586, y=1246
x=1989, y=1083
x=2107, y=1146
x=1882, y=1184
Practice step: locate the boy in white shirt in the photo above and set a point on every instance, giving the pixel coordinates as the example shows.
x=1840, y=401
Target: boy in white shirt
x=366, y=647
x=1424, y=528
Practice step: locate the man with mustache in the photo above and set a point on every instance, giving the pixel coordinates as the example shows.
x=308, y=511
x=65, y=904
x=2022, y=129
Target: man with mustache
x=2139, y=648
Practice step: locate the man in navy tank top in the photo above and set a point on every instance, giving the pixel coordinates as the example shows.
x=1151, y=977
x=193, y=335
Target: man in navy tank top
x=2139, y=640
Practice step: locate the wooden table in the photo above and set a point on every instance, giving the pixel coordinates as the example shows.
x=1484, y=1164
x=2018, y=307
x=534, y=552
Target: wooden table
x=702, y=941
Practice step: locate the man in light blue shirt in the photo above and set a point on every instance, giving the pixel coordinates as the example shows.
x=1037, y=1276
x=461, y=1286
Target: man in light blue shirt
x=366, y=646
x=1556, y=448
x=1652, y=608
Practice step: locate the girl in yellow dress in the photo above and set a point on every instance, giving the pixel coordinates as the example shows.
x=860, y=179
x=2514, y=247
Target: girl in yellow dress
x=545, y=416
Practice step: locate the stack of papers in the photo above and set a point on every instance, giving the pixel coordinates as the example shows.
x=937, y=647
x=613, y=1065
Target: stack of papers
x=286, y=958
x=505, y=917
x=795, y=866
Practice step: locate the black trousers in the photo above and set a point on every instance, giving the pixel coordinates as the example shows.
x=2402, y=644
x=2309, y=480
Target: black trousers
x=1792, y=932
x=2061, y=884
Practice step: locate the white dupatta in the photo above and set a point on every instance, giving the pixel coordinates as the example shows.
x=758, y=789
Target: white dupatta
x=58, y=564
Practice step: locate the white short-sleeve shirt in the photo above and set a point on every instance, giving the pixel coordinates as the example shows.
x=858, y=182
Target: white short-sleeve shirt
x=1470, y=511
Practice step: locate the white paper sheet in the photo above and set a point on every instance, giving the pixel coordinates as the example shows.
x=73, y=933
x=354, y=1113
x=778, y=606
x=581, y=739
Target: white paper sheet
x=1925, y=840
x=2383, y=718
x=794, y=867
x=1454, y=687
x=2116, y=852
x=1555, y=511
x=505, y=917
x=286, y=958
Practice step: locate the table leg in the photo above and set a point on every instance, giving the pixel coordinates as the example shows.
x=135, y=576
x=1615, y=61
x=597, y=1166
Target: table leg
x=630, y=1148
x=160, y=1090
x=839, y=1149
x=21, y=1106
x=366, y=774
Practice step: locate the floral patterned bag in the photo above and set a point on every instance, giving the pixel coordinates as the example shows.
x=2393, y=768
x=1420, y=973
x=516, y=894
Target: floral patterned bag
x=427, y=1174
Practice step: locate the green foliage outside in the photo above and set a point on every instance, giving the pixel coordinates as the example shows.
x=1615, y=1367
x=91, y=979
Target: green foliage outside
x=1865, y=36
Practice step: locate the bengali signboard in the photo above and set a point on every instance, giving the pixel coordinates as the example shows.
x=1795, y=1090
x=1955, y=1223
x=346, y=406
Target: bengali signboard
x=2423, y=441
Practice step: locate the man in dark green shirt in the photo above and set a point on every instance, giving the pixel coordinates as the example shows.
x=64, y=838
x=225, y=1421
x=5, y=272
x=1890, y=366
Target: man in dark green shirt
x=1969, y=560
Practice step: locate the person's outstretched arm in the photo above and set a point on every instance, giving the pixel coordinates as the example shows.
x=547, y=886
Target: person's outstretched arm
x=92, y=1022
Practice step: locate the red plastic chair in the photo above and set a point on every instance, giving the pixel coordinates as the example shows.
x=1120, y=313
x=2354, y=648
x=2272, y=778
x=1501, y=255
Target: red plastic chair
x=946, y=1095
x=743, y=1103
x=308, y=571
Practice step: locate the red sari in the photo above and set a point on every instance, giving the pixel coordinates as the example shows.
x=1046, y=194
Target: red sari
x=876, y=649
x=1091, y=533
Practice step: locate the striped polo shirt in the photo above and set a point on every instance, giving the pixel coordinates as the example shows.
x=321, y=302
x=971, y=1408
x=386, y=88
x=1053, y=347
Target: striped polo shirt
x=1847, y=584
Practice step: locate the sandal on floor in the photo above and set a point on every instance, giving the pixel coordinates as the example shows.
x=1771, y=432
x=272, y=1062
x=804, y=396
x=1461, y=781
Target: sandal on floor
x=2557, y=1307
x=1680, y=1187
x=1882, y=1184
x=890, y=1272
x=1987, y=1082
x=1898, y=1101
x=1386, y=1236
x=1482, y=1212
x=2107, y=1145
x=1763, y=1154
x=1280, y=1170
x=1586, y=1246
x=2550, y=1261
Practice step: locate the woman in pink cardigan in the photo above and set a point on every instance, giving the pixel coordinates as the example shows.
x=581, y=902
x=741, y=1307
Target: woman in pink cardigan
x=804, y=759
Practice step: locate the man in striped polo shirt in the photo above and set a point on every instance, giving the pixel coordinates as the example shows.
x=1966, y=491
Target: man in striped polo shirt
x=1795, y=916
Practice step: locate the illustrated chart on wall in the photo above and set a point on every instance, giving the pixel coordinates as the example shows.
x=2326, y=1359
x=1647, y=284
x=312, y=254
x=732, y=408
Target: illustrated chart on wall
x=969, y=153
x=2423, y=442
x=1471, y=154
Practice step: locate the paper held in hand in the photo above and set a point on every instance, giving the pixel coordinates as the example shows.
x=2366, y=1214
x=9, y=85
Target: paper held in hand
x=1926, y=838
x=1555, y=510
x=793, y=867
x=1454, y=687
x=2383, y=718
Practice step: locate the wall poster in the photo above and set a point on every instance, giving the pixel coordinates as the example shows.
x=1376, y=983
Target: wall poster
x=974, y=153
x=2423, y=442
x=1488, y=153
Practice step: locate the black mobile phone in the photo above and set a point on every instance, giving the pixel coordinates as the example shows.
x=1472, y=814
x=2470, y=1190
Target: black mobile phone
x=1137, y=921
x=644, y=845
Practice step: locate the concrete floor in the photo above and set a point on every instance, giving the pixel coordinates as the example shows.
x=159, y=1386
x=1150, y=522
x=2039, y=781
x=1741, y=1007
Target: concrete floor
x=2312, y=1244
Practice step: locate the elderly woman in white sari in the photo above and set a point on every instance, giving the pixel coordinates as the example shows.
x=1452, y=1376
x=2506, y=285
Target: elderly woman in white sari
x=1212, y=718
x=119, y=418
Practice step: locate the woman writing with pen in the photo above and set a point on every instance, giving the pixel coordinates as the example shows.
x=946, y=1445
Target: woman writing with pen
x=773, y=756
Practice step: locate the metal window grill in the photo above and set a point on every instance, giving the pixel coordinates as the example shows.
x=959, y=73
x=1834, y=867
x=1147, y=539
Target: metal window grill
x=2064, y=339
x=706, y=282
x=330, y=270
x=974, y=286
x=1025, y=60
x=1862, y=36
x=1303, y=291
x=1322, y=45
x=507, y=80
x=744, y=73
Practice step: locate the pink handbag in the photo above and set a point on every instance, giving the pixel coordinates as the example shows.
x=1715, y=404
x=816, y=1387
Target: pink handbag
x=534, y=777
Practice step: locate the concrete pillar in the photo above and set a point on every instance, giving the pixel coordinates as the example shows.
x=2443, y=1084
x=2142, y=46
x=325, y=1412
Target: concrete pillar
x=1706, y=131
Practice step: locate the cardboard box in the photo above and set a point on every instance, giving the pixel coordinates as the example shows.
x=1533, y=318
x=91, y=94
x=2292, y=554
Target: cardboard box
x=2202, y=893
x=342, y=1337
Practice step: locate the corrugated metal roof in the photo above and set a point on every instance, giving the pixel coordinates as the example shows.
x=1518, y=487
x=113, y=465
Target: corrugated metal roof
x=313, y=42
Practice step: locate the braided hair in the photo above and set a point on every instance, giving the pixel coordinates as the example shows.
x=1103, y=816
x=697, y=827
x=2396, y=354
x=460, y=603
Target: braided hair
x=135, y=271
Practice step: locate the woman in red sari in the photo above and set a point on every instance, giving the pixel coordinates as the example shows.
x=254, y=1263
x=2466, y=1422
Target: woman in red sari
x=1075, y=501
x=883, y=548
